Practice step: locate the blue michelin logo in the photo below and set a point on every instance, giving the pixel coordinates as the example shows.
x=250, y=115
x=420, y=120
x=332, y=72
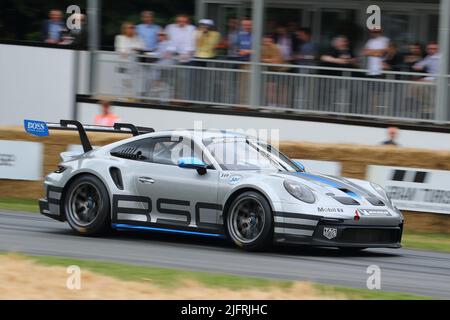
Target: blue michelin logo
x=37, y=128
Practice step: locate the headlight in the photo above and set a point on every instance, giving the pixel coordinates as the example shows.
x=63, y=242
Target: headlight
x=299, y=191
x=380, y=191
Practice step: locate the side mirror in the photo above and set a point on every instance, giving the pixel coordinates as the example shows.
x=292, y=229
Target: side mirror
x=193, y=163
x=299, y=165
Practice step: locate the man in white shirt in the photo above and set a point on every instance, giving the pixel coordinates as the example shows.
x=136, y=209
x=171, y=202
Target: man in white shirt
x=181, y=34
x=430, y=63
x=374, y=50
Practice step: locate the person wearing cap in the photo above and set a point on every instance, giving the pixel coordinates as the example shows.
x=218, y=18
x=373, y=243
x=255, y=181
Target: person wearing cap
x=206, y=40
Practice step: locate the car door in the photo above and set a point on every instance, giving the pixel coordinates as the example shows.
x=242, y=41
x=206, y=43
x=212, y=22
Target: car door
x=180, y=197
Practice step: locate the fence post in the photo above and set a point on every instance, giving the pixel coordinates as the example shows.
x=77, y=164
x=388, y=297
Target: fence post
x=93, y=18
x=75, y=79
x=255, y=70
x=200, y=9
x=442, y=106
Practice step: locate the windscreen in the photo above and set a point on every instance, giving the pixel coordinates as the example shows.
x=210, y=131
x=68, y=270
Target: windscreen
x=238, y=153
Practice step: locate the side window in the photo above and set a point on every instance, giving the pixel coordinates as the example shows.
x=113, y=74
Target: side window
x=159, y=150
x=135, y=150
x=167, y=151
x=164, y=150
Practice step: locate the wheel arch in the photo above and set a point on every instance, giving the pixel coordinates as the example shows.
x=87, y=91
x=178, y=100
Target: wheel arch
x=70, y=181
x=265, y=238
x=237, y=192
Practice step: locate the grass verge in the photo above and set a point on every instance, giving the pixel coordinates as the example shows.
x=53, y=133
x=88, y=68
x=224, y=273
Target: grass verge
x=24, y=205
x=415, y=240
x=427, y=241
x=164, y=277
x=169, y=278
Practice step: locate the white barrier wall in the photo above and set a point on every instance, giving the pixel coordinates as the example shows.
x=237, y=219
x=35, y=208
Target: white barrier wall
x=35, y=83
x=293, y=130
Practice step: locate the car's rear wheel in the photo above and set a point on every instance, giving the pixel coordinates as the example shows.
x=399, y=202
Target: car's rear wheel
x=249, y=221
x=87, y=206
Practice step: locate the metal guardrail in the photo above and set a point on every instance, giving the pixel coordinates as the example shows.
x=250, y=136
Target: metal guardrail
x=400, y=95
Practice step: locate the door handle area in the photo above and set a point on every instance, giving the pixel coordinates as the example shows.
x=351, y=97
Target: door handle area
x=146, y=180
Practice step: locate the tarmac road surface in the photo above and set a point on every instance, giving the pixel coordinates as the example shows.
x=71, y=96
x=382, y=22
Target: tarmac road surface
x=403, y=270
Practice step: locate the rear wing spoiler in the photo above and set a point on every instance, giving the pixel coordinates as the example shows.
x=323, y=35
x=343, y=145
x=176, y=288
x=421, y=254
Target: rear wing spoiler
x=40, y=128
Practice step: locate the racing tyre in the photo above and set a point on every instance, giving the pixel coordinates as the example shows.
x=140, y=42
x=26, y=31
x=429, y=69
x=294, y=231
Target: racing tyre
x=249, y=221
x=87, y=206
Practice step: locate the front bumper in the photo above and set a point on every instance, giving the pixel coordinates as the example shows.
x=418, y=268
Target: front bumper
x=341, y=234
x=44, y=208
x=51, y=206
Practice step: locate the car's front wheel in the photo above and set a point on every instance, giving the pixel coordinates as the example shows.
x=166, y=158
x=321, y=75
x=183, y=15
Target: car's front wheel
x=87, y=206
x=249, y=221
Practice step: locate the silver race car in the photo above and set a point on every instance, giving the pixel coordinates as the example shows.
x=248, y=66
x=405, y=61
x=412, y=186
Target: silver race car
x=212, y=184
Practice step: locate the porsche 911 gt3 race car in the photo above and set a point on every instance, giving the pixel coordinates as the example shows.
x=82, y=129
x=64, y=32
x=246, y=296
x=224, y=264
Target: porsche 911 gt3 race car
x=214, y=184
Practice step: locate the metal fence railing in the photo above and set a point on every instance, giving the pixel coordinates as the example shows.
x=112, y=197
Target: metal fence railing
x=291, y=87
x=351, y=92
x=144, y=78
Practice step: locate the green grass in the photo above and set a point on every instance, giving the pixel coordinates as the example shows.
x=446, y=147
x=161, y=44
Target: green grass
x=427, y=241
x=167, y=277
x=24, y=205
x=416, y=240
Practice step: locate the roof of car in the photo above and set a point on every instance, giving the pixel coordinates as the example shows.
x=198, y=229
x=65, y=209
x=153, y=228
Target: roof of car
x=202, y=134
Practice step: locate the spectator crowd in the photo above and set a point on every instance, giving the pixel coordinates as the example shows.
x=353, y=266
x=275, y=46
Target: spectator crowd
x=183, y=42
x=293, y=48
